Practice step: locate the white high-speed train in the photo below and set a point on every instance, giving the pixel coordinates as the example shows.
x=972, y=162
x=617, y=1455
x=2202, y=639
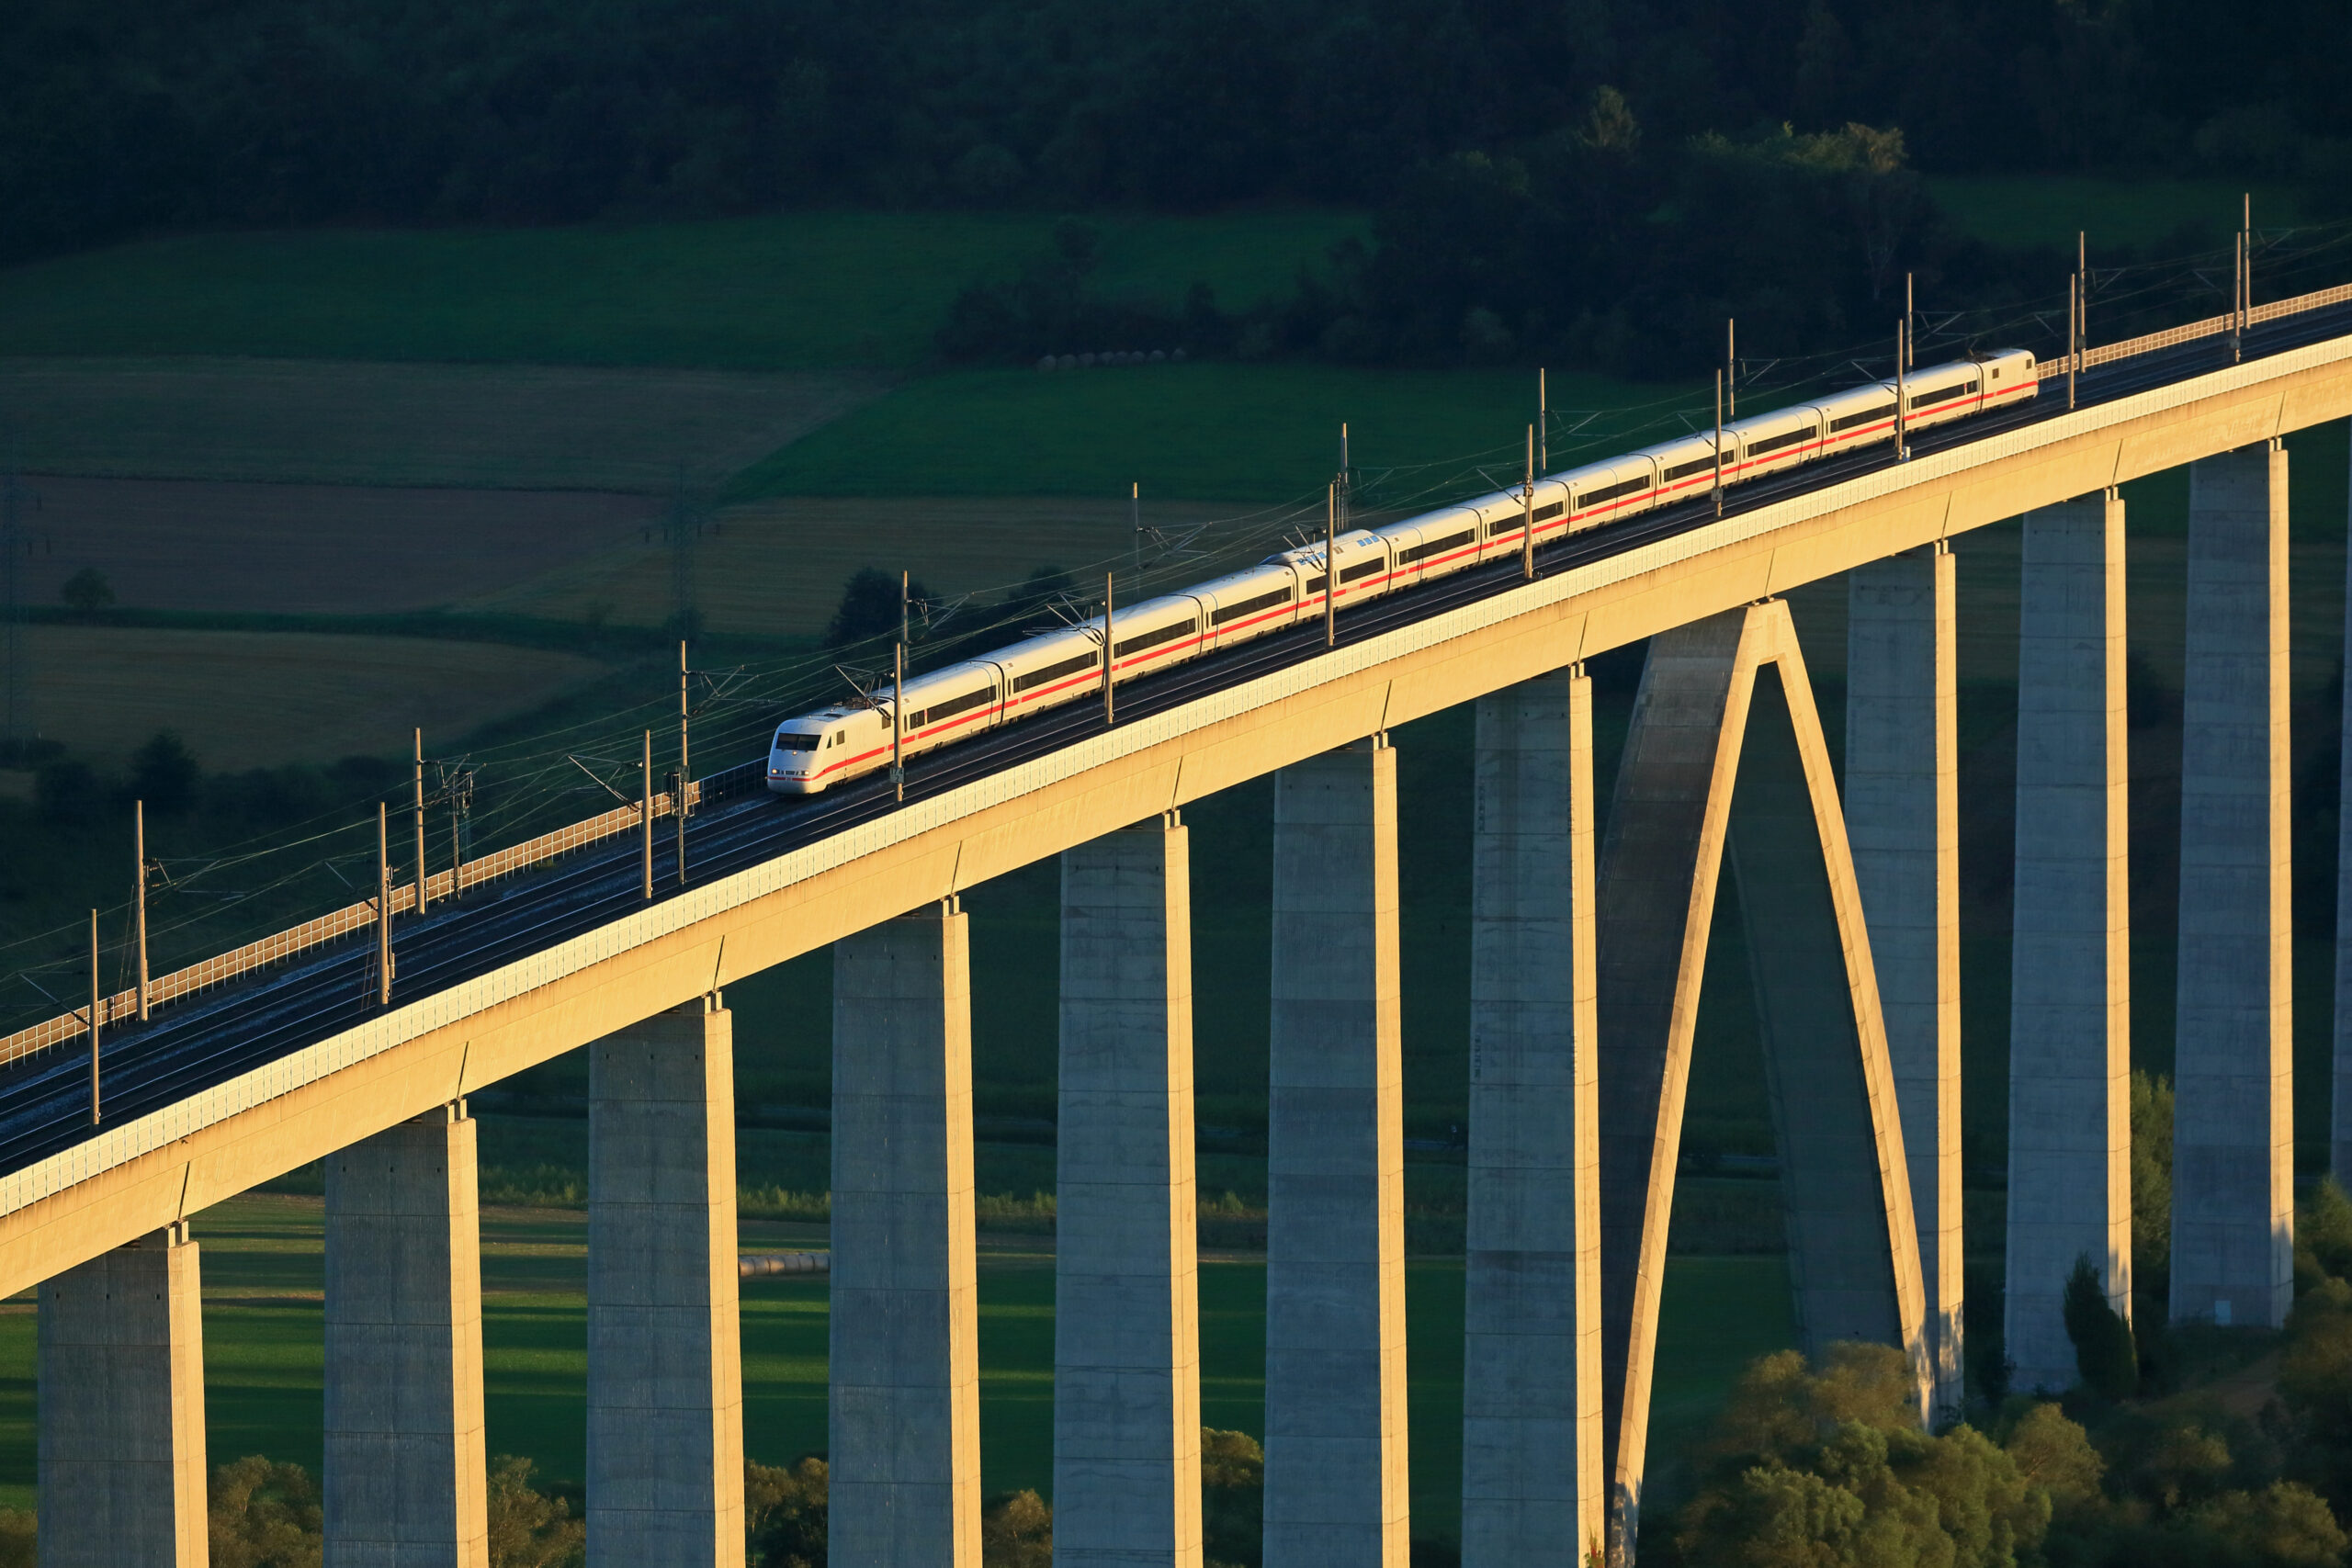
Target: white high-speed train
x=818, y=751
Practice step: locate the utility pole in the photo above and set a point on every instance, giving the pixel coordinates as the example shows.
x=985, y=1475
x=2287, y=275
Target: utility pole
x=645, y=814
x=1910, y=326
x=1542, y=423
x=2245, y=277
x=1331, y=564
x=1110, y=652
x=1719, y=444
x=2074, y=333
x=1731, y=366
x=898, y=705
x=383, y=912
x=461, y=800
x=680, y=805
x=420, y=823
x=1135, y=518
x=1901, y=396
x=1527, y=522
x=139, y=896
x=94, y=1018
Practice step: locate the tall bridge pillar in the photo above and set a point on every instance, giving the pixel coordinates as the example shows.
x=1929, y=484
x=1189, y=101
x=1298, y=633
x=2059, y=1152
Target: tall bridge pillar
x=1531, y=1489
x=2069, y=979
x=1902, y=822
x=2232, y=1205
x=665, y=1394
x=905, y=1443
x=1126, y=1302
x=2339, y=1153
x=1337, y=1486
x=121, y=1386
x=404, y=1483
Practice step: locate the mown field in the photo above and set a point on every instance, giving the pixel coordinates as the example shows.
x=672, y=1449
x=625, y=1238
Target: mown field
x=264, y=1339
x=2050, y=209
x=361, y=422
x=803, y=291
x=256, y=699
x=776, y=568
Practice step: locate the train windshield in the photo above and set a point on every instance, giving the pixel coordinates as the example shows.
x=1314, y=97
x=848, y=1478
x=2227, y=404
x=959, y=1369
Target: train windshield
x=786, y=741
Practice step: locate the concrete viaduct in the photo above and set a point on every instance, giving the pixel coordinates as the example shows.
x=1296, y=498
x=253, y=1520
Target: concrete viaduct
x=1586, y=958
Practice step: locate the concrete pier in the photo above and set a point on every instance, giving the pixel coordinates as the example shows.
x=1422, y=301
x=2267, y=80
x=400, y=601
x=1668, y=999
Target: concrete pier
x=1903, y=823
x=1531, y=1477
x=905, y=1360
x=2070, y=978
x=1337, y=1478
x=2339, y=1151
x=404, y=1479
x=665, y=1396
x=1126, y=1301
x=2233, y=1179
x=122, y=1395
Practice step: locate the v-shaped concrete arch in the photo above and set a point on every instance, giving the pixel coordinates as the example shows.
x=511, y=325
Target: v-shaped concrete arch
x=1853, y=1253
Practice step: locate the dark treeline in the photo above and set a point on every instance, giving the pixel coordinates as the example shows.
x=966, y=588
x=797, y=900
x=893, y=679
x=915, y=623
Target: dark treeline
x=123, y=116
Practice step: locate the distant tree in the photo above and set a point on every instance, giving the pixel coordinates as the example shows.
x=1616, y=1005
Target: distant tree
x=265, y=1516
x=2150, y=1181
x=164, y=773
x=2103, y=1347
x=528, y=1529
x=1017, y=1531
x=17, y=1549
x=869, y=607
x=1233, y=1495
x=87, y=591
x=784, y=1514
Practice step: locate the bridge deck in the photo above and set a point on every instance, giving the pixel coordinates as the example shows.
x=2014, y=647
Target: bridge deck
x=221, y=1093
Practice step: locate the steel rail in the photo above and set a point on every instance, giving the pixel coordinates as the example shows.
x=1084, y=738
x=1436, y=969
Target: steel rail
x=43, y=1099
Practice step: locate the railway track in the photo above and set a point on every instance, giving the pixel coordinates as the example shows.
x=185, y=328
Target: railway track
x=44, y=1099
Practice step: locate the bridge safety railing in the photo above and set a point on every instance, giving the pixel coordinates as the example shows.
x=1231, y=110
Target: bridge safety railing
x=276, y=948
x=329, y=927
x=2211, y=326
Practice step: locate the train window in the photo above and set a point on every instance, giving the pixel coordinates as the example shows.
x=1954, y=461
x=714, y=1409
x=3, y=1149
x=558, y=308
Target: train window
x=1246, y=606
x=1776, y=442
x=954, y=706
x=1142, y=640
x=1622, y=487
x=1705, y=465
x=1362, y=570
x=1864, y=416
x=797, y=742
x=1428, y=548
x=1937, y=394
x=1545, y=514
x=1054, y=672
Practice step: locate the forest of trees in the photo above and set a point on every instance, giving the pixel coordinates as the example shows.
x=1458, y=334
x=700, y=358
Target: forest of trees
x=119, y=117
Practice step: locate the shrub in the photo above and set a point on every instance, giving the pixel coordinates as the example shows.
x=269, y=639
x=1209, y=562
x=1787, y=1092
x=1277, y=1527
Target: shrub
x=784, y=1514
x=527, y=1528
x=87, y=591
x=2103, y=1348
x=265, y=1516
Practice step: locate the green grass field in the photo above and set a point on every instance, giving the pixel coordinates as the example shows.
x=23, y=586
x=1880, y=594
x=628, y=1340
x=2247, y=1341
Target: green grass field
x=1207, y=432
x=264, y=1356
x=2047, y=210
x=802, y=291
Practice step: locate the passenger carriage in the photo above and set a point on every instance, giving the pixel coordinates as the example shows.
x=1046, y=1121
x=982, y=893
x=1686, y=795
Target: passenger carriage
x=818, y=751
